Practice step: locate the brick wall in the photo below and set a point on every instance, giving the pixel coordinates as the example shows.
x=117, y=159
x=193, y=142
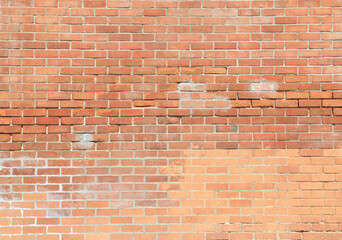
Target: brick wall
x=170, y=119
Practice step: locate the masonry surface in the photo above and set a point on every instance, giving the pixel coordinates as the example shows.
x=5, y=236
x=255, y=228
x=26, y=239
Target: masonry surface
x=170, y=120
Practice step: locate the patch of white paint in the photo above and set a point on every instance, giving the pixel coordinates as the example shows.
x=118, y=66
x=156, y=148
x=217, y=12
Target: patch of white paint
x=58, y=212
x=263, y=86
x=187, y=89
x=191, y=87
x=3, y=162
x=58, y=196
x=86, y=142
x=87, y=137
x=4, y=197
x=3, y=194
x=222, y=97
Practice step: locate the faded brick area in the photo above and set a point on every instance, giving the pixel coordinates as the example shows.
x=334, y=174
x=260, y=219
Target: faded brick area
x=170, y=120
x=214, y=194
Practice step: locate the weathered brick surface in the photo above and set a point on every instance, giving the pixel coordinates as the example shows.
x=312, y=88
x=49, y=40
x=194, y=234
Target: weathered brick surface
x=192, y=194
x=130, y=73
x=177, y=119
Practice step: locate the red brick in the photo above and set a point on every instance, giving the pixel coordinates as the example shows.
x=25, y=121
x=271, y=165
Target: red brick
x=41, y=3
x=309, y=3
x=310, y=103
x=332, y=103
x=170, y=95
x=286, y=103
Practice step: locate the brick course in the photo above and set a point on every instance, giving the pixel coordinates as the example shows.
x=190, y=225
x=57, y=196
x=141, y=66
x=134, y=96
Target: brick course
x=170, y=119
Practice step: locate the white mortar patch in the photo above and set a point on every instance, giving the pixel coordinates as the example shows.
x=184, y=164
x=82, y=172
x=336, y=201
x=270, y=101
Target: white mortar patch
x=191, y=87
x=263, y=86
x=86, y=141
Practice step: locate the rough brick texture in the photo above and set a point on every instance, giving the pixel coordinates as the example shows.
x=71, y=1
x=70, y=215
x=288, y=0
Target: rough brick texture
x=194, y=195
x=175, y=119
